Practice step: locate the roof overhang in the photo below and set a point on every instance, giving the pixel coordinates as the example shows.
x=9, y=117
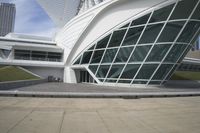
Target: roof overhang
x=60, y=11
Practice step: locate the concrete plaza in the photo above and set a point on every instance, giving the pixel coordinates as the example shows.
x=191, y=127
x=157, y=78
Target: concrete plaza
x=63, y=115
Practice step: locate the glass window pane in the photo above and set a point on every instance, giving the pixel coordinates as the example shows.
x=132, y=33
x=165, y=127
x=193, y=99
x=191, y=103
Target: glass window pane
x=124, y=81
x=123, y=54
x=86, y=57
x=175, y=53
x=97, y=56
x=115, y=71
x=183, y=9
x=78, y=61
x=109, y=55
x=140, y=53
x=139, y=82
x=185, y=53
x=110, y=81
x=189, y=31
x=133, y=35
x=103, y=43
x=93, y=68
x=171, y=72
x=150, y=34
x=154, y=82
x=162, y=71
x=130, y=71
x=171, y=31
x=22, y=54
x=146, y=71
x=39, y=54
x=196, y=13
x=141, y=20
x=125, y=26
x=103, y=70
x=161, y=14
x=117, y=38
x=158, y=52
x=91, y=48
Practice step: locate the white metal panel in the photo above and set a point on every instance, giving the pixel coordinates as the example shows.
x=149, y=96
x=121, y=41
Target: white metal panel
x=68, y=36
x=60, y=11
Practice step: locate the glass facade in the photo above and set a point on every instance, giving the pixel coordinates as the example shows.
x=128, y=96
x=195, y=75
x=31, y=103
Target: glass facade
x=37, y=55
x=146, y=50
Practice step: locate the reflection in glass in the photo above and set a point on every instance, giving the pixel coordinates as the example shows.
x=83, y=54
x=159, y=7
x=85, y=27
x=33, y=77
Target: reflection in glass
x=141, y=20
x=124, y=81
x=86, y=57
x=146, y=71
x=93, y=68
x=117, y=38
x=140, y=53
x=123, y=54
x=97, y=56
x=115, y=71
x=189, y=31
x=130, y=71
x=151, y=33
x=103, y=69
x=175, y=53
x=109, y=55
x=183, y=9
x=154, y=82
x=171, y=72
x=103, y=43
x=132, y=36
x=162, y=71
x=196, y=13
x=161, y=14
x=185, y=53
x=158, y=52
x=171, y=31
x=78, y=61
x=139, y=82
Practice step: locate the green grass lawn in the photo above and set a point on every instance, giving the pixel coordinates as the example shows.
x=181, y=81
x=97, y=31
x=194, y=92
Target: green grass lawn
x=186, y=75
x=12, y=73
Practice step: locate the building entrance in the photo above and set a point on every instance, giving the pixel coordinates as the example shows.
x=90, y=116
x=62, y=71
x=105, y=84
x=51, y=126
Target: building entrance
x=85, y=77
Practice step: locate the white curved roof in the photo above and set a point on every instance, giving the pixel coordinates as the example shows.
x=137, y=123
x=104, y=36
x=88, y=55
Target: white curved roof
x=87, y=4
x=61, y=11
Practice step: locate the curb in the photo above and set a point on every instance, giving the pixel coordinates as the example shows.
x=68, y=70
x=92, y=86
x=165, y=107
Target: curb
x=97, y=95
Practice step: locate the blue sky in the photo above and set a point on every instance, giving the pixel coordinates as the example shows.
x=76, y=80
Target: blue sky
x=31, y=19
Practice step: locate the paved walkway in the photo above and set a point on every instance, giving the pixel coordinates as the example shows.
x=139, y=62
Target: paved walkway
x=52, y=115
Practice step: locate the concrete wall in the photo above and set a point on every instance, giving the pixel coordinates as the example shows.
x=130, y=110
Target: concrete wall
x=18, y=84
x=44, y=72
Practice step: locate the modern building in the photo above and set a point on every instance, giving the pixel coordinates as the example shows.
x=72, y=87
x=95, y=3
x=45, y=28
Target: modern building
x=114, y=42
x=7, y=18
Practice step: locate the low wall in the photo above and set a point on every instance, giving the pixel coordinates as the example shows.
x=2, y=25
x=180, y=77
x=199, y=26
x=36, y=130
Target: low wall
x=18, y=84
x=182, y=84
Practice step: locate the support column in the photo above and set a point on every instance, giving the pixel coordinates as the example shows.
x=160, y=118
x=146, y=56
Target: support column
x=69, y=75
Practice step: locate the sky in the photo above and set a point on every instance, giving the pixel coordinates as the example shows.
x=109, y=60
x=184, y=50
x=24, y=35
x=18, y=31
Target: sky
x=32, y=19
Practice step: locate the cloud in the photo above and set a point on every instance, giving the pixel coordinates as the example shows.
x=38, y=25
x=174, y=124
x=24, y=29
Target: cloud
x=31, y=19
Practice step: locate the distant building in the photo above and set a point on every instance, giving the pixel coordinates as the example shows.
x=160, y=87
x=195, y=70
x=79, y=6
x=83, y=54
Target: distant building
x=7, y=18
